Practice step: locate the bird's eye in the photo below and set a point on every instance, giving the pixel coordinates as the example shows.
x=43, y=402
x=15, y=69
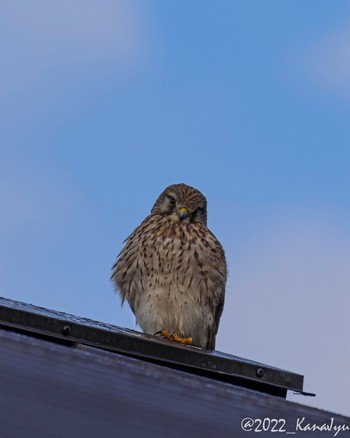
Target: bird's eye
x=172, y=201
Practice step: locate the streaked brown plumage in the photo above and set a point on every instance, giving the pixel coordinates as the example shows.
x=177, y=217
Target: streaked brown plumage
x=172, y=270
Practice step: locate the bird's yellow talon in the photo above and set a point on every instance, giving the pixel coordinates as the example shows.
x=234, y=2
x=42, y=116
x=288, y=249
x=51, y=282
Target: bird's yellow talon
x=165, y=334
x=173, y=337
x=182, y=340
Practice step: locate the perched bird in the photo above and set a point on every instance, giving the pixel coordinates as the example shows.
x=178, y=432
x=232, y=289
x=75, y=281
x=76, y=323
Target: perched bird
x=172, y=270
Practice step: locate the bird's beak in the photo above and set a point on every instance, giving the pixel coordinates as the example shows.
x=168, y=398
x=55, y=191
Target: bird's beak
x=182, y=212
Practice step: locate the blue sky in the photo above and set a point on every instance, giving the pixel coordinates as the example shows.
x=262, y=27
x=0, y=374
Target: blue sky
x=105, y=103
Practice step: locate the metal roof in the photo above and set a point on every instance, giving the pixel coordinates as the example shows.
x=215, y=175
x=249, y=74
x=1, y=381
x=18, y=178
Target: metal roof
x=64, y=376
x=214, y=364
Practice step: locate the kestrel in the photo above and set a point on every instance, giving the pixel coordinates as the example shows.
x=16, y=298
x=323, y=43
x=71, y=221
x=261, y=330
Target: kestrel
x=172, y=270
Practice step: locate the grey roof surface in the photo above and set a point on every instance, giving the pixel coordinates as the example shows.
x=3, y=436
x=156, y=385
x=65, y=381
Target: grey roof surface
x=217, y=365
x=53, y=388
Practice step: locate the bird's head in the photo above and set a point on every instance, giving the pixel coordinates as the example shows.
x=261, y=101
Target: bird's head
x=183, y=203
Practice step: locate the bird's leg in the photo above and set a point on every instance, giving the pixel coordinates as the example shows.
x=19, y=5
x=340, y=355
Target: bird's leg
x=174, y=337
x=182, y=340
x=165, y=334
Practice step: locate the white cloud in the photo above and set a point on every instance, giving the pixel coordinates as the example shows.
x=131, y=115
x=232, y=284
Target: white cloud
x=288, y=305
x=327, y=61
x=42, y=40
